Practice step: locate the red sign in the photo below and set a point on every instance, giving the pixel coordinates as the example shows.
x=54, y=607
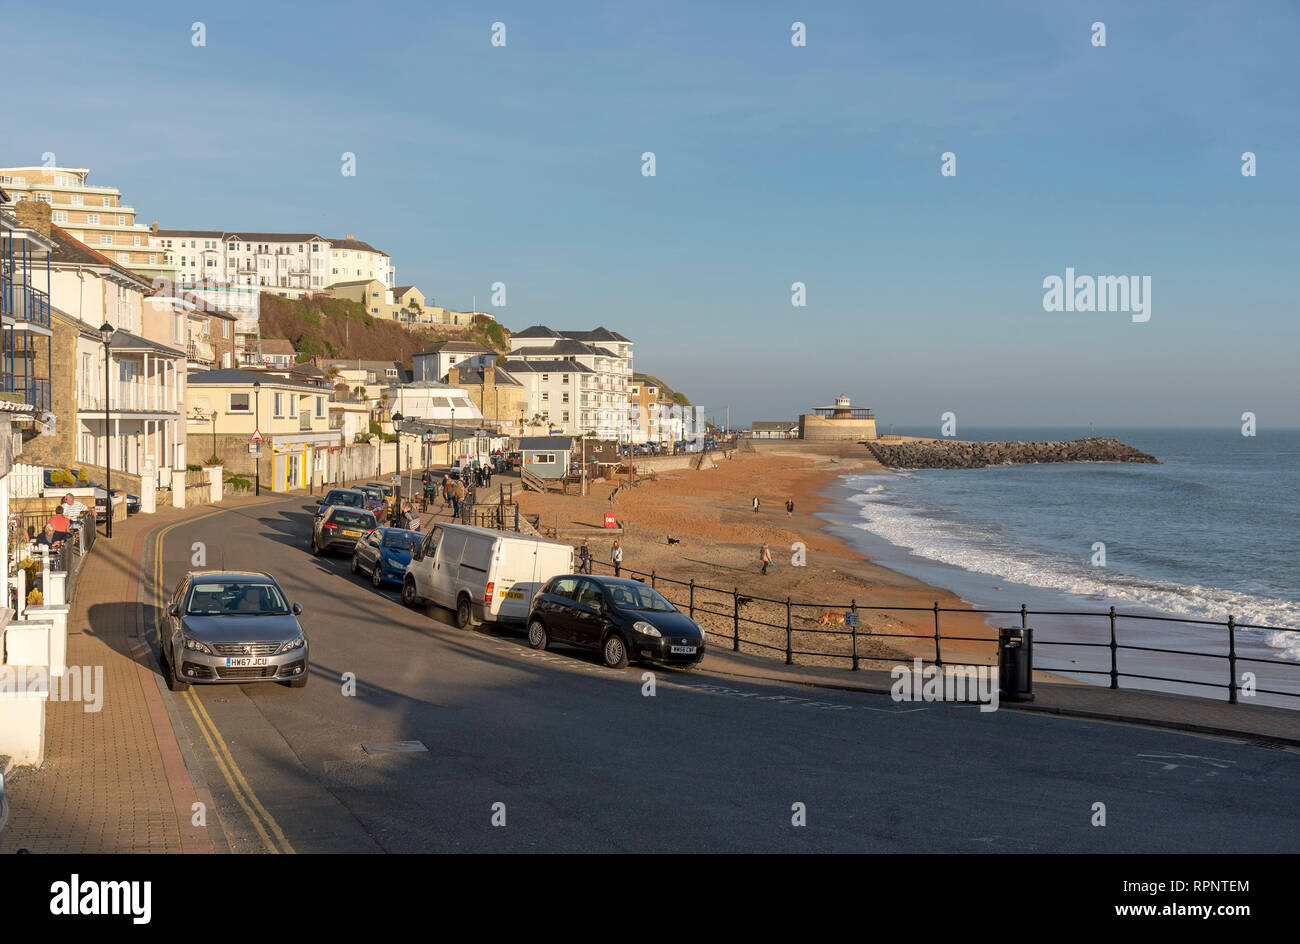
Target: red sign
x=610, y=520
x=256, y=437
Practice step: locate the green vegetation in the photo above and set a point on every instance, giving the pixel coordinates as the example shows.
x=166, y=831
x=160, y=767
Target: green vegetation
x=238, y=481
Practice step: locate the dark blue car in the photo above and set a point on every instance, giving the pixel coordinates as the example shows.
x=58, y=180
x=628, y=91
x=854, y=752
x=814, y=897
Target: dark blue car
x=384, y=554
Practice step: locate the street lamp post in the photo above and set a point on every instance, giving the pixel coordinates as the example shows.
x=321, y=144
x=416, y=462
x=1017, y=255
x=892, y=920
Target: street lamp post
x=257, y=426
x=452, y=443
x=106, y=334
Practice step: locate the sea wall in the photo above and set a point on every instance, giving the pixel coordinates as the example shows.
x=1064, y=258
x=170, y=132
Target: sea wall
x=950, y=454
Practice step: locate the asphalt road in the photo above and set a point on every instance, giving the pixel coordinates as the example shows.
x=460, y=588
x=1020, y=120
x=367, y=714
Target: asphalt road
x=574, y=757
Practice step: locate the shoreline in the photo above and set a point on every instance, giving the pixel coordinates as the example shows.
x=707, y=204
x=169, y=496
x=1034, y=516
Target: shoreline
x=709, y=512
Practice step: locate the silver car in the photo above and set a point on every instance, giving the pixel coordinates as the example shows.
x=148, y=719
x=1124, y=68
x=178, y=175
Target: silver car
x=231, y=627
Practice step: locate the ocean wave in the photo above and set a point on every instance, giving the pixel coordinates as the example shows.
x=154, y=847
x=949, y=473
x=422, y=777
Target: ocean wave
x=961, y=544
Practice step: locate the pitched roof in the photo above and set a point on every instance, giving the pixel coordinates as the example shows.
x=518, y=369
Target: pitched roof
x=564, y=346
x=474, y=375
x=72, y=251
x=126, y=341
x=536, y=331
x=276, y=346
x=546, y=367
x=402, y=289
x=598, y=334
x=355, y=244
x=356, y=282
x=241, y=236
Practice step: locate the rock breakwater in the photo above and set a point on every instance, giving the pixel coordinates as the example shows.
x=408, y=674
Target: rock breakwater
x=952, y=454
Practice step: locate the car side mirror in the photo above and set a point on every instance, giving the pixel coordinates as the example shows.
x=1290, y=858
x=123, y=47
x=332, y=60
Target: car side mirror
x=174, y=610
x=297, y=609
x=320, y=501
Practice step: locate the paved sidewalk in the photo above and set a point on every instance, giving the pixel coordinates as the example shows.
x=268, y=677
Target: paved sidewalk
x=1180, y=712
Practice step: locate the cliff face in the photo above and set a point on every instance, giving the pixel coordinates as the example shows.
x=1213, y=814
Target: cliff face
x=942, y=454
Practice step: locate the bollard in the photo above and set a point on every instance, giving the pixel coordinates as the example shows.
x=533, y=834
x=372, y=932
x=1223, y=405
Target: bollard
x=1015, y=664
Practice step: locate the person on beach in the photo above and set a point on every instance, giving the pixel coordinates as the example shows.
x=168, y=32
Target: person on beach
x=765, y=555
x=755, y=503
x=616, y=558
x=584, y=558
x=789, y=507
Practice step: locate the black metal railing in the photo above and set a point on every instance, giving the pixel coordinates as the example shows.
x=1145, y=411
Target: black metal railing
x=719, y=605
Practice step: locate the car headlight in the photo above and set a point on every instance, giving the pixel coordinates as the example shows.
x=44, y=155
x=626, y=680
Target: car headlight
x=196, y=645
x=293, y=644
x=645, y=629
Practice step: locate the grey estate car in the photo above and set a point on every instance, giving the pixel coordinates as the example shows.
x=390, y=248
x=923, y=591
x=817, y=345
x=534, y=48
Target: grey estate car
x=226, y=626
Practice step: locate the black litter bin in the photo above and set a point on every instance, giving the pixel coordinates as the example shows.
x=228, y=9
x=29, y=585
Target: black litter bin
x=1015, y=664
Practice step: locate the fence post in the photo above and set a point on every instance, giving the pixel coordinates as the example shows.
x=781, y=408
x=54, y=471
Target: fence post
x=853, y=608
x=1114, y=653
x=735, y=619
x=938, y=653
x=789, y=653
x=1024, y=617
x=652, y=578
x=692, y=598
x=1232, y=659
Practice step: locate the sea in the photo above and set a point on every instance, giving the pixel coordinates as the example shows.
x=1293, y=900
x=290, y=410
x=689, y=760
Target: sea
x=1212, y=531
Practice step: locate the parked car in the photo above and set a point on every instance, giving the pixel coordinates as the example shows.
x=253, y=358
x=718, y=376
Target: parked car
x=384, y=554
x=231, y=627
x=620, y=618
x=482, y=574
x=375, y=502
x=389, y=493
x=340, y=528
x=343, y=497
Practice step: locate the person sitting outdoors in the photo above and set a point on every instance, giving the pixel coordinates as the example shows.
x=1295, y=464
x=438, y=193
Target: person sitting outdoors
x=48, y=538
x=61, y=524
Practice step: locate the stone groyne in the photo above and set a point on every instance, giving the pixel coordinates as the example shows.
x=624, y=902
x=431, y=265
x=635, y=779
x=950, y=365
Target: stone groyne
x=951, y=454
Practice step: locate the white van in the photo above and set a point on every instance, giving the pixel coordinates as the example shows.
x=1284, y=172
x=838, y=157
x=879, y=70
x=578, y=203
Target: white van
x=482, y=574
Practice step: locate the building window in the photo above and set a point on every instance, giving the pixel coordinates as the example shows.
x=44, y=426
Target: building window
x=121, y=221
x=239, y=403
x=59, y=216
x=546, y=378
x=92, y=217
x=564, y=378
x=546, y=458
x=44, y=198
x=565, y=415
x=546, y=396
x=106, y=239
x=75, y=199
x=106, y=203
x=320, y=408
x=278, y=403
x=123, y=258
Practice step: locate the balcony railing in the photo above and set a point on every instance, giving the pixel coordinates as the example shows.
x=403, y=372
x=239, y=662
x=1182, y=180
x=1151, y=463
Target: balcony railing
x=35, y=392
x=29, y=305
x=128, y=396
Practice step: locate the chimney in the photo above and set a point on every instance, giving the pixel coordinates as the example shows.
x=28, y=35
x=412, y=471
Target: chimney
x=154, y=228
x=350, y=237
x=453, y=376
x=35, y=214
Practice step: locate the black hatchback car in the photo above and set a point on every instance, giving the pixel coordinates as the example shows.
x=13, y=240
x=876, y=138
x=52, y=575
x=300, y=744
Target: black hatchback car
x=339, y=529
x=622, y=619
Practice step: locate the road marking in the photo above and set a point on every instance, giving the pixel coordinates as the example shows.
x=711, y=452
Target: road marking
x=226, y=763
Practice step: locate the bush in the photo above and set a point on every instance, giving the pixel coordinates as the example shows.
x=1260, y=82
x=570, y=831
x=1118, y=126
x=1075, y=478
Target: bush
x=212, y=460
x=191, y=467
x=35, y=598
x=238, y=482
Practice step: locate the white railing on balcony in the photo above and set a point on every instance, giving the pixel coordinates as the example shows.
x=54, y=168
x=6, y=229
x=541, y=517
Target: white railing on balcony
x=127, y=395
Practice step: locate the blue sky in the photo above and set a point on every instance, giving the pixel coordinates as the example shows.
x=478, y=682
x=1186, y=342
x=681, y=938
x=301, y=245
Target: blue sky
x=775, y=164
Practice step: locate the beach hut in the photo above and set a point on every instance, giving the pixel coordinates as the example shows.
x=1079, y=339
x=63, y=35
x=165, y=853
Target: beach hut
x=546, y=457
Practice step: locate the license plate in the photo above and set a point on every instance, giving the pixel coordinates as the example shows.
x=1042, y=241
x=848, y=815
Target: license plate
x=352, y=534
x=683, y=650
x=241, y=663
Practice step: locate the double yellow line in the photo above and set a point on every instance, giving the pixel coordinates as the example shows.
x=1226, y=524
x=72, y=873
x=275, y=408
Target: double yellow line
x=267, y=828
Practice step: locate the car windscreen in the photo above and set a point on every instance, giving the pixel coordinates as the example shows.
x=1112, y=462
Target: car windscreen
x=351, y=499
x=353, y=519
x=402, y=540
x=219, y=598
x=373, y=493
x=638, y=598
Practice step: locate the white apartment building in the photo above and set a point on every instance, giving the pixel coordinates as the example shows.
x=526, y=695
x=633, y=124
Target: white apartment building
x=601, y=403
x=97, y=216
x=437, y=403
x=553, y=391
x=351, y=260
x=438, y=358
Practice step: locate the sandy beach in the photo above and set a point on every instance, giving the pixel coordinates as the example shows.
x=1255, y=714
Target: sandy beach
x=710, y=513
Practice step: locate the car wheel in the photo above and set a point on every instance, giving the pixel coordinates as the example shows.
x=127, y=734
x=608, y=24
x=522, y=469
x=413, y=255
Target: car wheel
x=537, y=637
x=314, y=548
x=410, y=596
x=356, y=565
x=299, y=682
x=464, y=614
x=376, y=576
x=174, y=684
x=614, y=651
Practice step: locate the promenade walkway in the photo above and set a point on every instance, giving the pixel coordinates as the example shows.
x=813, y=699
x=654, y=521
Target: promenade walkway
x=117, y=780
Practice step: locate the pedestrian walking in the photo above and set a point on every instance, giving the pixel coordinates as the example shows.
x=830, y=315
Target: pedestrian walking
x=410, y=518
x=789, y=507
x=584, y=558
x=457, y=498
x=616, y=558
x=756, y=503
x=765, y=555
